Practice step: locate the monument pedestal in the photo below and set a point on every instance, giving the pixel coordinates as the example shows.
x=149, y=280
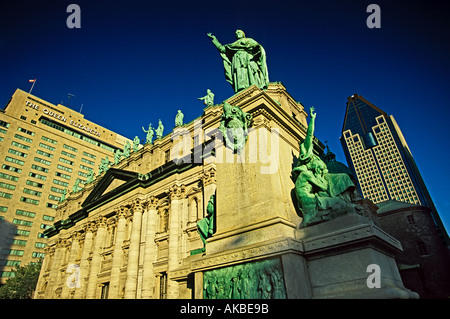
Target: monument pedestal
x=335, y=259
x=350, y=257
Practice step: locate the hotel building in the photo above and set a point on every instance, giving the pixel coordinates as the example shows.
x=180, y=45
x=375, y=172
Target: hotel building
x=44, y=149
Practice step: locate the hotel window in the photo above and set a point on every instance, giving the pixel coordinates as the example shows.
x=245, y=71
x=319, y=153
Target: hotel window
x=64, y=168
x=7, y=186
x=40, y=160
x=39, y=168
x=12, y=151
x=22, y=222
x=5, y=195
x=32, y=192
x=49, y=140
x=25, y=213
x=25, y=131
x=65, y=161
x=44, y=153
x=4, y=124
x=25, y=147
x=11, y=168
x=42, y=177
x=68, y=154
x=29, y=200
x=89, y=155
x=49, y=218
x=35, y=184
x=47, y=147
x=10, y=177
x=58, y=182
x=73, y=149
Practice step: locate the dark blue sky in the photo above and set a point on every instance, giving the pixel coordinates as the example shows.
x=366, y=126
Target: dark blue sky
x=133, y=62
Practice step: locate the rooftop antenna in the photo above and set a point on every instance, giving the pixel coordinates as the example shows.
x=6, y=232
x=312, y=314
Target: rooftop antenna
x=69, y=95
x=81, y=108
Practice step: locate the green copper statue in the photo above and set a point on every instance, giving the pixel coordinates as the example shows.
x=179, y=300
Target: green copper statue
x=149, y=136
x=126, y=150
x=159, y=130
x=244, y=62
x=136, y=142
x=234, y=126
x=179, y=118
x=205, y=226
x=320, y=195
x=208, y=99
x=90, y=176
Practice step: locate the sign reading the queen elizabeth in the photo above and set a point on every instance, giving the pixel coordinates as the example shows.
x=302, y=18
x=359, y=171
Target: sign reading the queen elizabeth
x=62, y=118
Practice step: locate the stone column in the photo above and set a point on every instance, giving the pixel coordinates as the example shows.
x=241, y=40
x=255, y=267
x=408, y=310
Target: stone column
x=53, y=275
x=133, y=252
x=84, y=260
x=117, y=261
x=96, y=258
x=176, y=193
x=70, y=265
x=148, y=278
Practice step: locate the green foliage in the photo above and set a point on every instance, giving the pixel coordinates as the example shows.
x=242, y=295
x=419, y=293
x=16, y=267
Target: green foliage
x=23, y=284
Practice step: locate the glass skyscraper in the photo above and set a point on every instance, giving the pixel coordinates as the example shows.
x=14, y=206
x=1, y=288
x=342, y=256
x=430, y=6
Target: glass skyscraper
x=380, y=158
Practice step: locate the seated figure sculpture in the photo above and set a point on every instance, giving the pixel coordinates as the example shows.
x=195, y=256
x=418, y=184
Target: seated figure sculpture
x=320, y=195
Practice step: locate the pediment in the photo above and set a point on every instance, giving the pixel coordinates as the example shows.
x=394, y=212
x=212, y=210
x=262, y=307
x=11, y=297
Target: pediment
x=113, y=182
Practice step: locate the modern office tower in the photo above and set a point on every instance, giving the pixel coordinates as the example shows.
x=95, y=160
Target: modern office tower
x=44, y=150
x=380, y=158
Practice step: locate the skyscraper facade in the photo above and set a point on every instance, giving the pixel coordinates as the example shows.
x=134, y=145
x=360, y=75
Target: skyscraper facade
x=45, y=149
x=380, y=158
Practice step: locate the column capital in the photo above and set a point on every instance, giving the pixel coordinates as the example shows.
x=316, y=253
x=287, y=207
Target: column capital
x=101, y=221
x=208, y=176
x=152, y=202
x=176, y=191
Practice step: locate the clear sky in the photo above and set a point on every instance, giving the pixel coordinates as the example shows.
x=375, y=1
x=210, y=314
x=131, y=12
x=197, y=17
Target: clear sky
x=134, y=62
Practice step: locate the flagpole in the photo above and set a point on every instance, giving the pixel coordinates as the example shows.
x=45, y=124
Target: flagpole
x=32, y=86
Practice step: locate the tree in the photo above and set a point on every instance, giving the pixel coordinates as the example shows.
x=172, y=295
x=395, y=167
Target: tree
x=23, y=284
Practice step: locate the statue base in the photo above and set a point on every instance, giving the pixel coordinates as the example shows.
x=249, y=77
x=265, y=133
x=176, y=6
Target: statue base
x=334, y=259
x=351, y=257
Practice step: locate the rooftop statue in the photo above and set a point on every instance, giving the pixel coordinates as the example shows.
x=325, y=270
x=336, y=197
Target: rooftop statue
x=244, y=62
x=149, y=137
x=90, y=176
x=117, y=156
x=208, y=99
x=136, y=143
x=179, y=118
x=126, y=150
x=321, y=196
x=160, y=130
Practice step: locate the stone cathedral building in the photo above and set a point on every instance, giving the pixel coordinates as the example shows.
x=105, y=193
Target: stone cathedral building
x=132, y=232
x=235, y=204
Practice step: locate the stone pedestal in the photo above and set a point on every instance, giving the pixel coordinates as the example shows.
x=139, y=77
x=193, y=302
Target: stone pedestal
x=345, y=256
x=334, y=259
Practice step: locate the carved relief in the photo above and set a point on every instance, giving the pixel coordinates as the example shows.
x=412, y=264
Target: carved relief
x=253, y=280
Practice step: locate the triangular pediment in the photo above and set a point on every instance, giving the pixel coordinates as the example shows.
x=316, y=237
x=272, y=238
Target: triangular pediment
x=112, y=183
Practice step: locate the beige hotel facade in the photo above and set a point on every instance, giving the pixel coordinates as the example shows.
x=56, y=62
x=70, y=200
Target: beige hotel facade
x=44, y=149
